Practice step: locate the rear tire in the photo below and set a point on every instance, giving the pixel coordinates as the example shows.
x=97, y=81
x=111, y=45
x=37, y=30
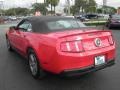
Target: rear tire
x=109, y=26
x=34, y=65
x=9, y=47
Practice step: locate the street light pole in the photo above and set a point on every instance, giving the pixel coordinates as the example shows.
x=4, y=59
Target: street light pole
x=45, y=5
x=104, y=4
x=68, y=2
x=44, y=1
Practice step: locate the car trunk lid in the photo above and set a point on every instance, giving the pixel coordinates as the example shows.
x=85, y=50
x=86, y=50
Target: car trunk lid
x=89, y=40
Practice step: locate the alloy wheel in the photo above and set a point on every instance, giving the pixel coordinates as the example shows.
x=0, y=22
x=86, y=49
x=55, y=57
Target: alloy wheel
x=33, y=64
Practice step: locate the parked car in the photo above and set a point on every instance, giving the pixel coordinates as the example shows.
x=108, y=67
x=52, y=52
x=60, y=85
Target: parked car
x=12, y=18
x=61, y=45
x=2, y=21
x=5, y=18
x=70, y=16
x=113, y=21
x=91, y=16
x=81, y=18
x=103, y=16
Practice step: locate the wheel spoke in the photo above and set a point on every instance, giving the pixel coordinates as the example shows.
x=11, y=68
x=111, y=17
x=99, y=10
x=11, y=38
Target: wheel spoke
x=33, y=64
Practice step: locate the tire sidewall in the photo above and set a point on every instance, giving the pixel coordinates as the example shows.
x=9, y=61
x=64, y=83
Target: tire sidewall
x=38, y=68
x=109, y=26
x=8, y=44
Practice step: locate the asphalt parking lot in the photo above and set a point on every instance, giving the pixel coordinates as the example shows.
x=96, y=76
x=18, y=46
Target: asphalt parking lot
x=15, y=74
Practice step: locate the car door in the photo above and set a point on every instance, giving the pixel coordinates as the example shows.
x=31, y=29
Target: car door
x=21, y=33
x=25, y=33
x=11, y=35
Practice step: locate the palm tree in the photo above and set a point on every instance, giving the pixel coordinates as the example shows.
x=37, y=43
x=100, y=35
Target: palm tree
x=55, y=3
x=52, y=3
x=39, y=7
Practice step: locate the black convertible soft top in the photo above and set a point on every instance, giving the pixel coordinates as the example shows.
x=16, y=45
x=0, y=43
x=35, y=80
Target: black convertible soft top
x=39, y=23
x=47, y=18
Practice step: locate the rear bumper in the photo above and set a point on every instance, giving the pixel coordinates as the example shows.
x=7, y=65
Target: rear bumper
x=76, y=72
x=69, y=62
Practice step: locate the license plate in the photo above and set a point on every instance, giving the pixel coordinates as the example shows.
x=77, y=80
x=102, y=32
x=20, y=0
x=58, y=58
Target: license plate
x=99, y=60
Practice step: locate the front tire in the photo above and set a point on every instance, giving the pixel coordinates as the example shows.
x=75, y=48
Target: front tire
x=109, y=26
x=34, y=66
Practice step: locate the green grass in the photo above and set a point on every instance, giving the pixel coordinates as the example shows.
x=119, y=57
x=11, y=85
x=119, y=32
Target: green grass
x=96, y=23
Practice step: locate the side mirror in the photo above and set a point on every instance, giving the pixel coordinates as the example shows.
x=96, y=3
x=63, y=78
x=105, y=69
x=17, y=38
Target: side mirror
x=29, y=30
x=12, y=28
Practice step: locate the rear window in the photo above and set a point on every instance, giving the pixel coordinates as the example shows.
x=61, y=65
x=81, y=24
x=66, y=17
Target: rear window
x=116, y=16
x=64, y=24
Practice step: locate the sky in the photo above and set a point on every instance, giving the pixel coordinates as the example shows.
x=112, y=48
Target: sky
x=28, y=3
x=114, y=3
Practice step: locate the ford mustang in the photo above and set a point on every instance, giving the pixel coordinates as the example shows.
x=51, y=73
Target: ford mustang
x=61, y=45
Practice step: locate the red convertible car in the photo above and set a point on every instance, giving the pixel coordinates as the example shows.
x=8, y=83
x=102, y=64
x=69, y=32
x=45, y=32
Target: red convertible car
x=61, y=45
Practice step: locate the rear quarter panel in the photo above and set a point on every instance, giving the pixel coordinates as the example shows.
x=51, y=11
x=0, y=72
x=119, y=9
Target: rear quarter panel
x=44, y=47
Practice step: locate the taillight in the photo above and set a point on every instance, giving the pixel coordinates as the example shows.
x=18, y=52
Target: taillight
x=71, y=46
x=111, y=40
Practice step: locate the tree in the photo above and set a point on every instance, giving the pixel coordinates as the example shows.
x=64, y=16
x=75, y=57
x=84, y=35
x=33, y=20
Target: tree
x=110, y=10
x=52, y=3
x=55, y=3
x=91, y=6
x=80, y=4
x=39, y=7
x=107, y=10
x=74, y=9
x=17, y=11
x=88, y=6
x=99, y=10
x=2, y=12
x=48, y=2
x=91, y=9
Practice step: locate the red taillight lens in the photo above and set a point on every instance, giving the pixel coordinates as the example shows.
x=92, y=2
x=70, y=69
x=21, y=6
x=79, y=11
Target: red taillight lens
x=111, y=40
x=71, y=46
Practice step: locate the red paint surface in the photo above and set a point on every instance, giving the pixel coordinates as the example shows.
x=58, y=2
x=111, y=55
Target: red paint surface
x=51, y=55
